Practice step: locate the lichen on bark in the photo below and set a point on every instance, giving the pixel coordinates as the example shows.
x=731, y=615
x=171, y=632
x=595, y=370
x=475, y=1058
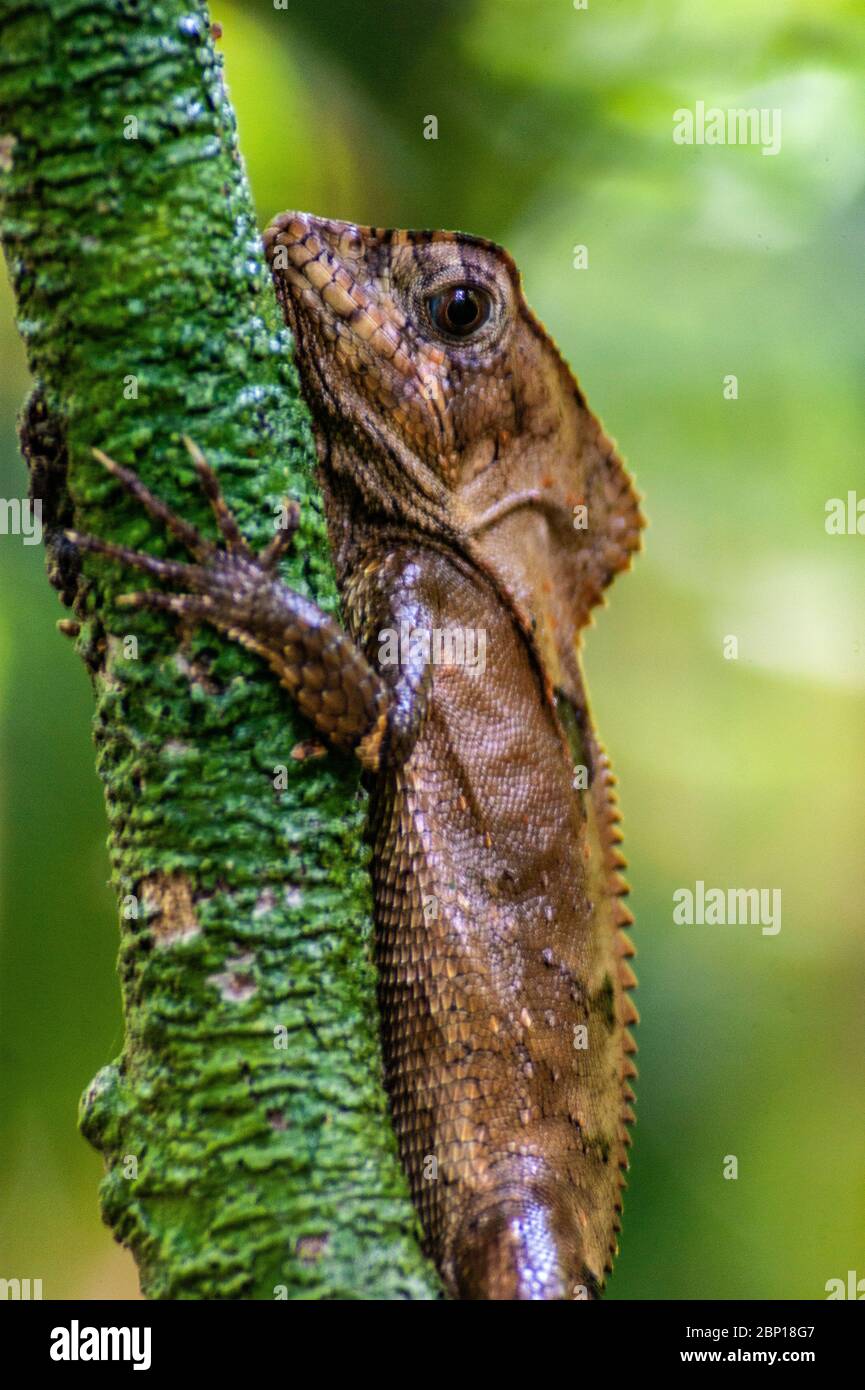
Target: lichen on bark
x=244, y=1128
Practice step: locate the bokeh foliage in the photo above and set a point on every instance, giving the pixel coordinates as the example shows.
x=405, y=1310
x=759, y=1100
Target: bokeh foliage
x=554, y=130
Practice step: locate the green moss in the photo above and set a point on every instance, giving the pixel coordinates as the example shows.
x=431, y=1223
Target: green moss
x=244, y=1126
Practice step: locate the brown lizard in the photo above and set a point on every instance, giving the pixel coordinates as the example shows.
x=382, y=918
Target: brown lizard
x=469, y=493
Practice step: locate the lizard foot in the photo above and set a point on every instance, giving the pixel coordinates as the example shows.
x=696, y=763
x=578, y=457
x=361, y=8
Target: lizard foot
x=241, y=594
x=220, y=572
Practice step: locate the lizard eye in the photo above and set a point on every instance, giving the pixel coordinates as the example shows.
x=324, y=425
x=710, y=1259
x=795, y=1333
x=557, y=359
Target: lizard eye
x=460, y=310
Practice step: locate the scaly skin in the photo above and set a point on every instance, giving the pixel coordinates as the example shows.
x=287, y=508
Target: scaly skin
x=469, y=489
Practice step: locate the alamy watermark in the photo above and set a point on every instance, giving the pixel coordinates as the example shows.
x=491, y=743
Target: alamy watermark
x=845, y=516
x=852, y=1287
x=737, y=125
x=437, y=646
x=20, y=1289
x=77, y=1343
x=711, y=907
x=21, y=517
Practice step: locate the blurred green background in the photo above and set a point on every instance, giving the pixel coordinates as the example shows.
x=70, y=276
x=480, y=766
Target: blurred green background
x=555, y=131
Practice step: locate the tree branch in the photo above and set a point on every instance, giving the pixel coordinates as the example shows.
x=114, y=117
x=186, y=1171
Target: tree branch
x=244, y=1126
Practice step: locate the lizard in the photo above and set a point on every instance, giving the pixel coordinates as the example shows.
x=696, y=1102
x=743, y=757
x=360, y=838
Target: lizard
x=468, y=489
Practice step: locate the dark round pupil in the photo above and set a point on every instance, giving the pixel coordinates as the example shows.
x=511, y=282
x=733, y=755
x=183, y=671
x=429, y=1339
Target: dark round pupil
x=462, y=308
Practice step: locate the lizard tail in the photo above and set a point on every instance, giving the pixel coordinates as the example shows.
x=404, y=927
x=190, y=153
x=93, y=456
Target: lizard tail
x=512, y=1250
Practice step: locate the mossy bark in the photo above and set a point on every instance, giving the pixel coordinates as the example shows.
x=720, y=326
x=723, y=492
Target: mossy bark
x=244, y=1125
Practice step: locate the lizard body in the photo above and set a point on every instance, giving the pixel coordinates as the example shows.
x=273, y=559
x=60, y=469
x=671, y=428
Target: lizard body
x=468, y=490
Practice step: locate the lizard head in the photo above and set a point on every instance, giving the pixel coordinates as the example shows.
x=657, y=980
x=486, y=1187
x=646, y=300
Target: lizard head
x=411, y=331
x=435, y=387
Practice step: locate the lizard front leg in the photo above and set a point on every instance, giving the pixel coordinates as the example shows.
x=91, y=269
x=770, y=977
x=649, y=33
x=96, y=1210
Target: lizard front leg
x=241, y=594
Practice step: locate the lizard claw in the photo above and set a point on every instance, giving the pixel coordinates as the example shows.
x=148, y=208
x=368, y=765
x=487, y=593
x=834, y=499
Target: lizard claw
x=137, y=559
x=228, y=527
x=193, y=540
x=282, y=541
x=203, y=550
x=189, y=606
x=213, y=587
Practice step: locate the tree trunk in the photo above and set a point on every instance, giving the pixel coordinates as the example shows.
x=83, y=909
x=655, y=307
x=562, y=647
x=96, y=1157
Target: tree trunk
x=244, y=1126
